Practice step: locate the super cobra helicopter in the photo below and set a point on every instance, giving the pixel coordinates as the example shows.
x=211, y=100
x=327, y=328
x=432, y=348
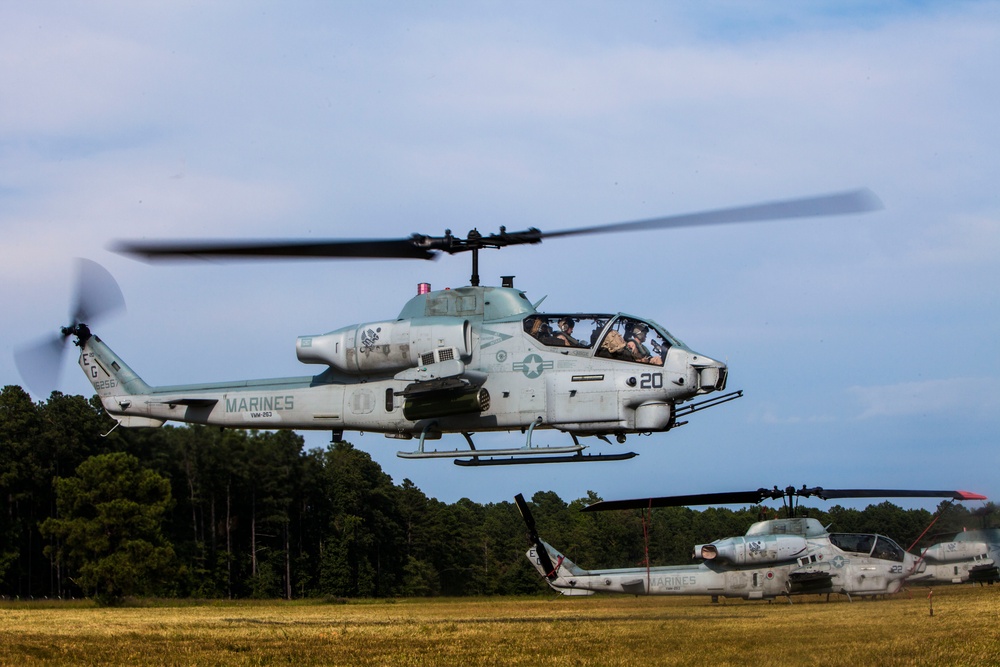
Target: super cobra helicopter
x=777, y=557
x=457, y=361
x=972, y=556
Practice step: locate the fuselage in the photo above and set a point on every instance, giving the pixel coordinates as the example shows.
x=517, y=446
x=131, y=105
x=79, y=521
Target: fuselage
x=464, y=360
x=759, y=565
x=972, y=556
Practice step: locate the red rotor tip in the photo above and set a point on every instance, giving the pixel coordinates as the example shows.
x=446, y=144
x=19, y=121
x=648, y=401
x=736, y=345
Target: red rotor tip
x=969, y=495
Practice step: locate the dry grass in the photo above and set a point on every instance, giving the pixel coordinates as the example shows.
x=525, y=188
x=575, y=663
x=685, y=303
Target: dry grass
x=964, y=630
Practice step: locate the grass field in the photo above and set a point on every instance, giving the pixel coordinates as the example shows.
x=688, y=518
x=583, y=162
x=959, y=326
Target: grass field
x=964, y=630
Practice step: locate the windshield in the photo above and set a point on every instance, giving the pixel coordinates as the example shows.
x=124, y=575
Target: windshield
x=575, y=330
x=886, y=549
x=877, y=546
x=631, y=339
x=855, y=543
x=621, y=337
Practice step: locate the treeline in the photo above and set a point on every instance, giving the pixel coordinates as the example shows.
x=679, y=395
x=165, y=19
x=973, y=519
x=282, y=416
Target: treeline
x=92, y=510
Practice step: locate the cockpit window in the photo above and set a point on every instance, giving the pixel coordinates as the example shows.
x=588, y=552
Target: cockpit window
x=630, y=339
x=579, y=331
x=853, y=542
x=886, y=549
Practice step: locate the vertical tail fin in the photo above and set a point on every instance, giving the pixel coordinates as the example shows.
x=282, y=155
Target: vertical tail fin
x=561, y=566
x=116, y=384
x=106, y=371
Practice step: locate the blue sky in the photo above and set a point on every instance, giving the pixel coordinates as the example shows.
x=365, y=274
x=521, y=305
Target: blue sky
x=866, y=345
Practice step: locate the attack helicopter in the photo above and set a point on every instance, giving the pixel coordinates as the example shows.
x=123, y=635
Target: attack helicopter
x=775, y=558
x=971, y=556
x=457, y=361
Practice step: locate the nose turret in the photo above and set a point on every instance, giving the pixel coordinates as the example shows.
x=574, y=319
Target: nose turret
x=709, y=374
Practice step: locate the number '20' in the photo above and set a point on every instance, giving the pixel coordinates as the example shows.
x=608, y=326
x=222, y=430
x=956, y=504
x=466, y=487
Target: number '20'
x=651, y=381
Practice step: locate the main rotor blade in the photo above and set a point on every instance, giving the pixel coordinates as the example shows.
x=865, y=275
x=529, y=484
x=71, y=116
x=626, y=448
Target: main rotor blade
x=97, y=293
x=724, y=498
x=829, y=494
x=303, y=249
x=853, y=201
x=419, y=246
x=755, y=497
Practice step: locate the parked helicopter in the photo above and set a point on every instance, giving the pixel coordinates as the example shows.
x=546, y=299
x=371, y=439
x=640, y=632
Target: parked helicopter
x=971, y=556
x=463, y=360
x=777, y=557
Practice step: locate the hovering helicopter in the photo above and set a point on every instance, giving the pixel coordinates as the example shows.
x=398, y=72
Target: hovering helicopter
x=466, y=360
x=777, y=557
x=971, y=556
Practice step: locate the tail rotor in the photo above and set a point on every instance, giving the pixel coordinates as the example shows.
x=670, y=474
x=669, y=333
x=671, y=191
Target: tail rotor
x=97, y=295
x=540, y=549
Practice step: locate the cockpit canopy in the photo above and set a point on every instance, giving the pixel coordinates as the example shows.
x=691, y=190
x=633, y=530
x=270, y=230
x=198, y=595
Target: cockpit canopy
x=621, y=337
x=876, y=546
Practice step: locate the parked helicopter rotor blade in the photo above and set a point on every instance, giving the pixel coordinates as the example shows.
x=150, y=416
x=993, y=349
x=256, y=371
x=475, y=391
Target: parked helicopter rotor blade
x=755, y=497
x=409, y=248
x=841, y=203
x=830, y=494
x=529, y=521
x=724, y=498
x=97, y=295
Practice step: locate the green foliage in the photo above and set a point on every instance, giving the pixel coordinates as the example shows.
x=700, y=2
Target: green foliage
x=195, y=511
x=108, y=528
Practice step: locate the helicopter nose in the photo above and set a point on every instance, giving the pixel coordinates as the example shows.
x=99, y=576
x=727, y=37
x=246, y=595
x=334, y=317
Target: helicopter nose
x=711, y=374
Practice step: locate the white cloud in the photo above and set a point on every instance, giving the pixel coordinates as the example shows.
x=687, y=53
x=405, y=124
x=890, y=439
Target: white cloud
x=185, y=119
x=975, y=397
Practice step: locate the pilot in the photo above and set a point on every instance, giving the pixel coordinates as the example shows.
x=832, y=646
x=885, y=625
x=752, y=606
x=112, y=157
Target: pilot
x=538, y=328
x=565, y=335
x=545, y=335
x=636, y=347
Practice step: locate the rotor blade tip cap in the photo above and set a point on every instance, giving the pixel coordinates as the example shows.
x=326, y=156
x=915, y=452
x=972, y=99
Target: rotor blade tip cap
x=869, y=200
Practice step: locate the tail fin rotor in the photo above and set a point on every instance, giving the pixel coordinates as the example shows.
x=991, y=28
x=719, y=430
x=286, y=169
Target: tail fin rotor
x=97, y=295
x=540, y=549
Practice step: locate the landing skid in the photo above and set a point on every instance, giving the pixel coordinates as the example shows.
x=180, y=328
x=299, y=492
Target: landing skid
x=515, y=455
x=576, y=458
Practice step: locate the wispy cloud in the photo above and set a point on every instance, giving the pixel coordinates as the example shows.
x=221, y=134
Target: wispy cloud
x=962, y=396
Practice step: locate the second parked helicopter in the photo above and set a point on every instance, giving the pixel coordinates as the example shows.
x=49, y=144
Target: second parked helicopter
x=777, y=557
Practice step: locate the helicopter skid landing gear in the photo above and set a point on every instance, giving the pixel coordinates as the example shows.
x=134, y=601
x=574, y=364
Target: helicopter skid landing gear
x=527, y=454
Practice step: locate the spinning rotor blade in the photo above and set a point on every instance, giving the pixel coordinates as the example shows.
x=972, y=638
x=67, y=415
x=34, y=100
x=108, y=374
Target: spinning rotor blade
x=332, y=248
x=755, y=497
x=97, y=295
x=419, y=246
x=841, y=203
x=39, y=363
x=529, y=521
